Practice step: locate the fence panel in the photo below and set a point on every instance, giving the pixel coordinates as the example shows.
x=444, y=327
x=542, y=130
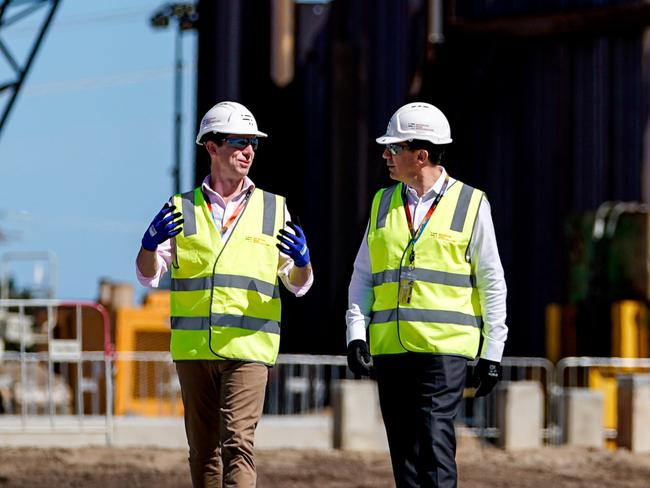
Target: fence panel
x=52, y=376
x=49, y=381
x=598, y=373
x=480, y=414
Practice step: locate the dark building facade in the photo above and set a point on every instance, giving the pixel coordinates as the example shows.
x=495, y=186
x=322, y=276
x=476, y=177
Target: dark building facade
x=547, y=104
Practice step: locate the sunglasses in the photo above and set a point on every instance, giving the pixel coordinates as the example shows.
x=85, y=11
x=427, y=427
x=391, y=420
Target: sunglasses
x=242, y=142
x=396, y=149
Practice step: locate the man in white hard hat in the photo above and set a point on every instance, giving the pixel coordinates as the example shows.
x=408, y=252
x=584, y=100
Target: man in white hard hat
x=226, y=245
x=429, y=287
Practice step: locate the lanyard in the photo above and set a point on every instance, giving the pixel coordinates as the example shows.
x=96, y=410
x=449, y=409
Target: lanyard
x=415, y=234
x=234, y=215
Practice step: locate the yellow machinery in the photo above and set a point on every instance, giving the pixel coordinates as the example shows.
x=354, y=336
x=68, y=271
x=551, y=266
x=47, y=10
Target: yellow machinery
x=560, y=332
x=145, y=384
x=630, y=339
x=607, y=256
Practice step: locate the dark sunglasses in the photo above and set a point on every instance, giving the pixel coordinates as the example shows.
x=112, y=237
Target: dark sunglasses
x=243, y=142
x=396, y=149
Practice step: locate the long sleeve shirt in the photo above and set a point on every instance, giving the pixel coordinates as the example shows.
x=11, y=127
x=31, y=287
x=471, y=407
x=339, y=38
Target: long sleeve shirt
x=221, y=212
x=482, y=254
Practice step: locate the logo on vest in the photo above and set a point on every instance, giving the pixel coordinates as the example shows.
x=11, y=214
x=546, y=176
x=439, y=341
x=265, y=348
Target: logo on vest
x=442, y=237
x=258, y=240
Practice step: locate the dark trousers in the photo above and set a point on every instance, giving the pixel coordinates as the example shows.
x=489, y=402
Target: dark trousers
x=419, y=395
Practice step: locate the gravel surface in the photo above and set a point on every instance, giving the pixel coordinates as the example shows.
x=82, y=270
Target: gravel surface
x=479, y=466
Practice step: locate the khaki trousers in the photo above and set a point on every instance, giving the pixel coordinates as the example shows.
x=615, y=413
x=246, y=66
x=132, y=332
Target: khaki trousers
x=223, y=403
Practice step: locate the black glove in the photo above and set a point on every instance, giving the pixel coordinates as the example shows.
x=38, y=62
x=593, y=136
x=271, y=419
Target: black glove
x=359, y=358
x=486, y=374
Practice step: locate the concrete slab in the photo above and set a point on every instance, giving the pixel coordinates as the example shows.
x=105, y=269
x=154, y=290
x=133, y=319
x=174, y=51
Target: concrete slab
x=273, y=432
x=294, y=432
x=583, y=413
x=520, y=414
x=633, y=412
x=358, y=424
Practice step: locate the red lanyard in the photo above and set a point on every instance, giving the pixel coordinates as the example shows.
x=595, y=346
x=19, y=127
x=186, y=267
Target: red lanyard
x=415, y=234
x=224, y=228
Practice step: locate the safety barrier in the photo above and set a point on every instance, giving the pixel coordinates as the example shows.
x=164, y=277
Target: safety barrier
x=596, y=373
x=57, y=380
x=480, y=414
x=51, y=383
x=146, y=383
x=300, y=383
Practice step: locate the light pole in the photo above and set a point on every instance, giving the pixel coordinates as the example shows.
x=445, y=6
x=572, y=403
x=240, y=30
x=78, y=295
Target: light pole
x=186, y=17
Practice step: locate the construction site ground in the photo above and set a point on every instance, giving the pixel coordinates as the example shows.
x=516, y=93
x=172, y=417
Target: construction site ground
x=479, y=466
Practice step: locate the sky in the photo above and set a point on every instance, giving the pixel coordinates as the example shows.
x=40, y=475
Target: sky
x=87, y=152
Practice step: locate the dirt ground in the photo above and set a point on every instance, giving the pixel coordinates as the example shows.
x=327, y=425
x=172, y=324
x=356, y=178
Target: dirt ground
x=478, y=467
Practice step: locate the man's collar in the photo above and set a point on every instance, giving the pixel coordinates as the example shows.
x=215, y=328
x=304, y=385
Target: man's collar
x=207, y=189
x=434, y=190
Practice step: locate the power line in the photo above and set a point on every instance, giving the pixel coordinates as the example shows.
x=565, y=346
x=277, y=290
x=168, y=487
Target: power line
x=76, y=21
x=70, y=222
x=72, y=86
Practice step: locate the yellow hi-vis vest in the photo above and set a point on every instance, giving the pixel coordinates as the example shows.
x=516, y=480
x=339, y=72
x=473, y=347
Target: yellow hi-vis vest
x=225, y=298
x=444, y=313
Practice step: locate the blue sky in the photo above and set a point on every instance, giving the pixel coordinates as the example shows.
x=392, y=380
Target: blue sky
x=87, y=152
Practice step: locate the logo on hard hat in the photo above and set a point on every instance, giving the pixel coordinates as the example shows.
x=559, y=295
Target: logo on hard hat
x=248, y=118
x=417, y=126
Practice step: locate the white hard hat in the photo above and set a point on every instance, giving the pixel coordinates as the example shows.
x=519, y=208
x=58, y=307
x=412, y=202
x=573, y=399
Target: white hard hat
x=417, y=121
x=228, y=118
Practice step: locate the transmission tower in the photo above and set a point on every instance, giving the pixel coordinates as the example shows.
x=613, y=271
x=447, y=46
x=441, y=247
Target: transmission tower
x=12, y=12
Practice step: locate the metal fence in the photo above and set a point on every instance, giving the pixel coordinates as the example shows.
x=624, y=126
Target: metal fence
x=480, y=414
x=599, y=373
x=300, y=383
x=49, y=382
x=46, y=374
x=146, y=383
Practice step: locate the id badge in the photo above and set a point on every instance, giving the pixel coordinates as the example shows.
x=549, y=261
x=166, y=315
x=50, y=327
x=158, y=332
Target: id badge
x=406, y=282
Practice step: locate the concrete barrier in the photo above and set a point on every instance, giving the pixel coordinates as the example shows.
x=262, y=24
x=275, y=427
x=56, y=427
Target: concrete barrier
x=358, y=425
x=520, y=414
x=583, y=411
x=633, y=401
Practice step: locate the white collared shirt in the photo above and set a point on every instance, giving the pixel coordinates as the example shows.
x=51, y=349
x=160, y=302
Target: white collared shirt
x=483, y=255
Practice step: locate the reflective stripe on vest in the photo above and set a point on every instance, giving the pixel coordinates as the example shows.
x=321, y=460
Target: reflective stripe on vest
x=225, y=299
x=417, y=315
x=443, y=315
x=187, y=207
x=428, y=275
x=242, y=322
x=232, y=281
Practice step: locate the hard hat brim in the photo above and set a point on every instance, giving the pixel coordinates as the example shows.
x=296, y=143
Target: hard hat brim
x=244, y=133
x=255, y=133
x=391, y=139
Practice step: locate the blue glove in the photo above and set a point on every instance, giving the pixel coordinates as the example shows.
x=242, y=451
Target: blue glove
x=294, y=245
x=163, y=226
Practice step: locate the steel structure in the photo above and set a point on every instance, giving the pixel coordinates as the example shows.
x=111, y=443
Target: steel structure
x=11, y=12
x=185, y=15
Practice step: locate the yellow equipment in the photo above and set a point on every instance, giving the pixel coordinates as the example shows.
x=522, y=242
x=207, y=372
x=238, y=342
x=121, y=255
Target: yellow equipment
x=145, y=385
